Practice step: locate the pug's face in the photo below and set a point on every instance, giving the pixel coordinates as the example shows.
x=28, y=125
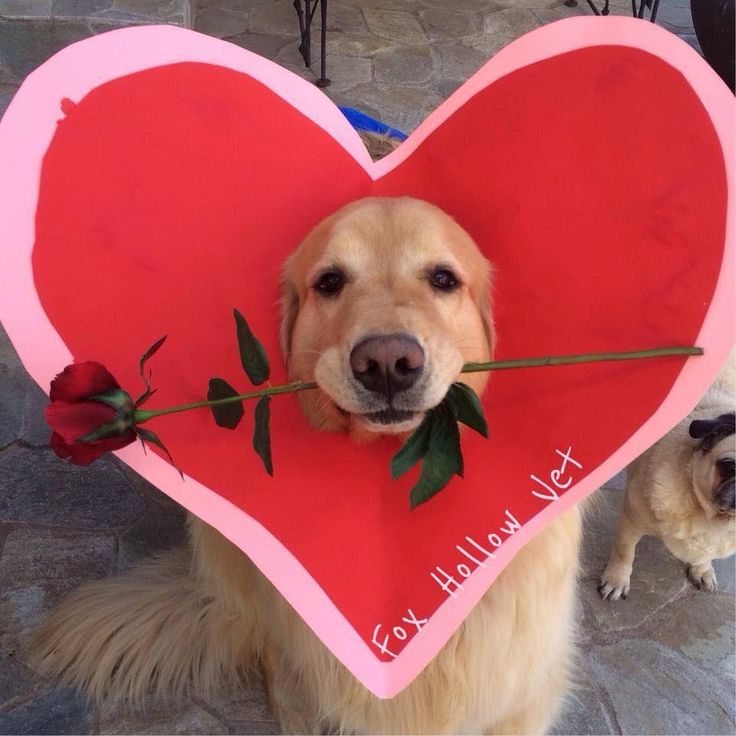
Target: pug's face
x=713, y=465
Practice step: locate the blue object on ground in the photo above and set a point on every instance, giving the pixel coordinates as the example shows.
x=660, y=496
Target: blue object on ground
x=361, y=121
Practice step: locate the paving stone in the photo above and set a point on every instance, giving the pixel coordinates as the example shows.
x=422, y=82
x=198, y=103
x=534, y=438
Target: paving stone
x=237, y=5
x=161, y=527
x=655, y=690
x=488, y=44
x=246, y=711
x=23, y=606
x=552, y=4
x=356, y=44
x=397, y=25
x=13, y=388
x=474, y=6
x=701, y=628
x=275, y=17
x=7, y=79
x=121, y=18
x=158, y=11
x=407, y=65
x=38, y=566
x=290, y=58
x=726, y=574
x=24, y=45
x=16, y=680
x=583, y=712
x=25, y=9
x=341, y=17
x=79, y=8
x=444, y=23
x=36, y=487
x=409, y=6
x=445, y=87
x=658, y=577
x=401, y=107
x=509, y=23
x=220, y=22
x=346, y=72
x=34, y=429
x=545, y=16
x=22, y=402
x=460, y=62
x=50, y=712
x=267, y=45
x=157, y=719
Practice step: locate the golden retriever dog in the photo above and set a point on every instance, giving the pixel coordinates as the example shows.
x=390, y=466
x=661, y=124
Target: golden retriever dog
x=682, y=491
x=383, y=303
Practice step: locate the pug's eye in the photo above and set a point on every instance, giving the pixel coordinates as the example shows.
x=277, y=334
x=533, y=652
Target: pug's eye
x=330, y=283
x=443, y=279
x=726, y=468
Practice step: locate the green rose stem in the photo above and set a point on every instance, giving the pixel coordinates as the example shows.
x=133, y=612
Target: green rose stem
x=140, y=416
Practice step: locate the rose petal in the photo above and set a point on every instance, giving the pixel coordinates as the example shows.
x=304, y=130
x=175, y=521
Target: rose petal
x=84, y=453
x=79, y=381
x=72, y=421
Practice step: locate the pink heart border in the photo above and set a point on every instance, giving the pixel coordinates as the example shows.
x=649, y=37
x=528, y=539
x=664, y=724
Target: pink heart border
x=26, y=131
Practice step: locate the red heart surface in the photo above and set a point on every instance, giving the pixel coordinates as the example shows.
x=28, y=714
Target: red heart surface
x=593, y=177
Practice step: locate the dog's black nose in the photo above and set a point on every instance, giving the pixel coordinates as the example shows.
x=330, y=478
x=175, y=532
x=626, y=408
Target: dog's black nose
x=387, y=364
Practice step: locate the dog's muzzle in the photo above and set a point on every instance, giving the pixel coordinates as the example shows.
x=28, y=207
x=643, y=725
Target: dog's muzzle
x=725, y=497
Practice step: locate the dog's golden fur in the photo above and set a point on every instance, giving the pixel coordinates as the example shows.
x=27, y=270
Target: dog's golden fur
x=192, y=619
x=669, y=494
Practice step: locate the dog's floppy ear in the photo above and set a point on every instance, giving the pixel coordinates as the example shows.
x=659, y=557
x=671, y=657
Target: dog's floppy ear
x=710, y=431
x=484, y=302
x=289, y=311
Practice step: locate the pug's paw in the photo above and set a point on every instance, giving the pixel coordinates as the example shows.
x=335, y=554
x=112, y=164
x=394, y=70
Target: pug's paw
x=615, y=582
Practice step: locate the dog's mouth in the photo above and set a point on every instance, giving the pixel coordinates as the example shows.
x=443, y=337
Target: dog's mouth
x=391, y=419
x=389, y=416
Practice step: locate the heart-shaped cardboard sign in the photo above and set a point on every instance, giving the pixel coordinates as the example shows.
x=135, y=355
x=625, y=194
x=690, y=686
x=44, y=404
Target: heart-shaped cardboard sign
x=151, y=179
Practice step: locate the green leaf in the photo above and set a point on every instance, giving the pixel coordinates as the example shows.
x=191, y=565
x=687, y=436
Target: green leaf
x=413, y=450
x=467, y=407
x=148, y=436
x=226, y=415
x=443, y=458
x=262, y=433
x=149, y=354
x=252, y=354
x=144, y=397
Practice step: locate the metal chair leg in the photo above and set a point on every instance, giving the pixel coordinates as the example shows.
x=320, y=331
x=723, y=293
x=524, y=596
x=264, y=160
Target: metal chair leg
x=323, y=81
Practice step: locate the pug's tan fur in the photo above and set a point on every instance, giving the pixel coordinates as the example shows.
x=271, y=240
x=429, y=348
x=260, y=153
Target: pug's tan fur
x=668, y=495
x=190, y=620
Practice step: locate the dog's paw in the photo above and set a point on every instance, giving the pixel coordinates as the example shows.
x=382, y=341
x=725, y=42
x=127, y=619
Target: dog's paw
x=703, y=577
x=614, y=584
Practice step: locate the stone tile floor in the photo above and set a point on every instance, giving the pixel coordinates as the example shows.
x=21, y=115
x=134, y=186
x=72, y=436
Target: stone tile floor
x=661, y=662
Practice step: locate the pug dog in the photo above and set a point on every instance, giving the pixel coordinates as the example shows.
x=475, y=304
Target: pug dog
x=682, y=491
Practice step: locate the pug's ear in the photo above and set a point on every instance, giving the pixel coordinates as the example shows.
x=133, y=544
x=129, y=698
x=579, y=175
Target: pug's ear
x=711, y=431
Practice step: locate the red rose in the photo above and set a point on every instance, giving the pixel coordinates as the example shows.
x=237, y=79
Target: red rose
x=89, y=413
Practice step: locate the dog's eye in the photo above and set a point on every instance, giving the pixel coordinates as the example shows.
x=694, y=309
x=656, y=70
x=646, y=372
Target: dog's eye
x=330, y=283
x=443, y=279
x=726, y=468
